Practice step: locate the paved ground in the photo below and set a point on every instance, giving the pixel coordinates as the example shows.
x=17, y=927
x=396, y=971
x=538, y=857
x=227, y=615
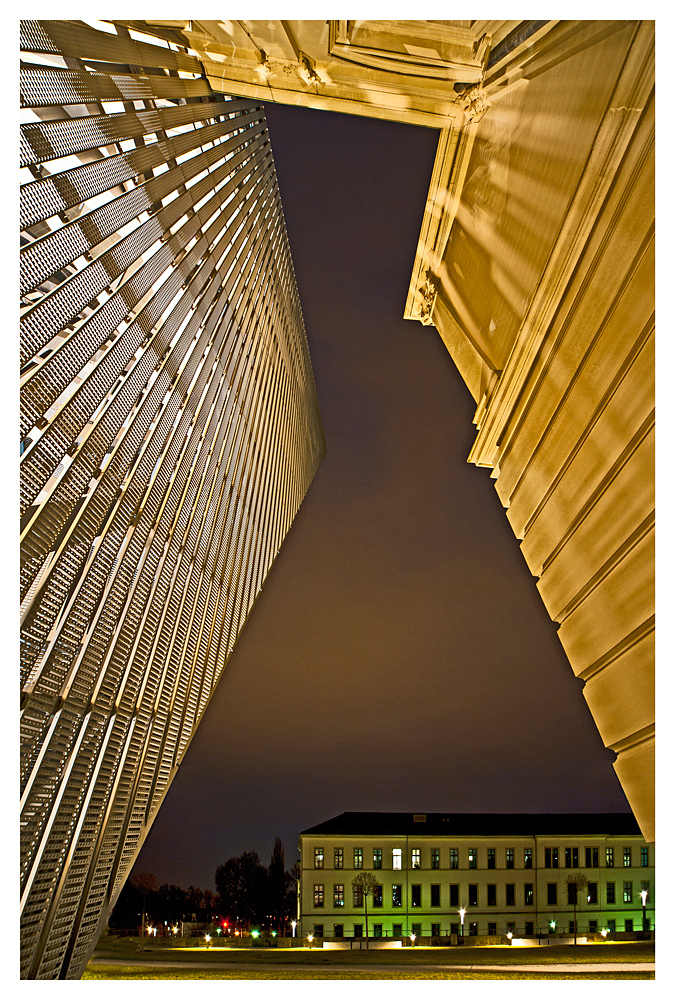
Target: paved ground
x=580, y=967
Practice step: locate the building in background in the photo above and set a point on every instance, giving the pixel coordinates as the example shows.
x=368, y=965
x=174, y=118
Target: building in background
x=170, y=430
x=508, y=873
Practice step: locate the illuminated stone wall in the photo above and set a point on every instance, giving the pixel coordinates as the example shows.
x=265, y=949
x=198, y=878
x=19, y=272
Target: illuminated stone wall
x=170, y=429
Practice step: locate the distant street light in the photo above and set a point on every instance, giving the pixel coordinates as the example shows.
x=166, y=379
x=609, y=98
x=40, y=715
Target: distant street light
x=643, y=896
x=294, y=924
x=413, y=939
x=509, y=935
x=310, y=938
x=462, y=914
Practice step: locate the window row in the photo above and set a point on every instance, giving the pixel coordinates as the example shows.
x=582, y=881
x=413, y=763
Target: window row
x=572, y=857
x=471, y=928
x=493, y=895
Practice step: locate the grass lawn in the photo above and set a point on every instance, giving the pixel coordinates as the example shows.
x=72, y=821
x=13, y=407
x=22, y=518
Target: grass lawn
x=107, y=972
x=634, y=951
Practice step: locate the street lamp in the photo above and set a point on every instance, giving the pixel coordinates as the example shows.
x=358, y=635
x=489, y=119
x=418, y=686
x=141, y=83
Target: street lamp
x=643, y=896
x=509, y=935
x=462, y=914
x=412, y=939
x=294, y=924
x=310, y=938
x=551, y=924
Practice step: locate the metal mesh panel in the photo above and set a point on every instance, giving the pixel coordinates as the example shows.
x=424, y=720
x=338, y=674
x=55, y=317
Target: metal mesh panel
x=165, y=376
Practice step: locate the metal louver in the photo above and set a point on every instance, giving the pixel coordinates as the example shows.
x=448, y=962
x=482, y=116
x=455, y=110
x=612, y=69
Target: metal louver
x=170, y=429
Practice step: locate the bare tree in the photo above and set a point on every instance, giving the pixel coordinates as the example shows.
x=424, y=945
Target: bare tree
x=576, y=883
x=366, y=882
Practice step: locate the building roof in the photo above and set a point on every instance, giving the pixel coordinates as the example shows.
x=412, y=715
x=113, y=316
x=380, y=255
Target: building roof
x=479, y=824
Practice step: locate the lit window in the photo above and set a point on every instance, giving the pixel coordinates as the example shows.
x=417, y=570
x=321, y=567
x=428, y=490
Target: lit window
x=626, y=857
x=611, y=895
x=338, y=858
x=377, y=857
x=416, y=858
x=609, y=857
x=318, y=895
x=592, y=893
x=396, y=858
x=338, y=895
x=529, y=894
x=509, y=857
x=510, y=894
x=628, y=892
x=435, y=897
x=492, y=895
x=377, y=895
x=644, y=857
x=454, y=895
x=492, y=860
x=415, y=895
x=454, y=857
x=318, y=857
x=397, y=895
x=357, y=891
x=358, y=857
x=528, y=857
x=473, y=857
x=552, y=893
x=571, y=857
x=473, y=895
x=435, y=857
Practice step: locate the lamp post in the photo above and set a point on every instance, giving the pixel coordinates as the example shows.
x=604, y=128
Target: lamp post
x=462, y=914
x=643, y=896
x=412, y=939
x=294, y=924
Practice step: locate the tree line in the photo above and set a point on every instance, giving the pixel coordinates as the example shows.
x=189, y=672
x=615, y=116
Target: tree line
x=248, y=895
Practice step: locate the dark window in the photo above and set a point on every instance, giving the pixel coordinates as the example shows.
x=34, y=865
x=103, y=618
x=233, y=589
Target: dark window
x=510, y=926
x=377, y=895
x=339, y=930
x=338, y=895
x=570, y=927
x=509, y=857
x=492, y=860
x=416, y=858
x=377, y=930
x=435, y=857
x=628, y=924
x=644, y=857
x=358, y=857
x=592, y=893
x=318, y=857
x=338, y=858
x=591, y=857
x=473, y=857
x=611, y=895
x=416, y=930
x=435, y=895
x=318, y=895
x=397, y=930
x=628, y=892
x=529, y=894
x=592, y=926
x=435, y=930
x=609, y=857
x=492, y=895
x=454, y=895
x=358, y=895
x=492, y=928
x=611, y=926
x=358, y=930
x=318, y=930
x=415, y=895
x=454, y=857
x=572, y=894
x=552, y=893
x=528, y=857
x=529, y=928
x=473, y=895
x=551, y=857
x=454, y=928
x=626, y=857
x=571, y=857
x=396, y=895
x=473, y=929
x=377, y=857
x=510, y=894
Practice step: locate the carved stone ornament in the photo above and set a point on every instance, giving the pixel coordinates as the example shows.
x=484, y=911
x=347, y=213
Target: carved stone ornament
x=474, y=102
x=428, y=298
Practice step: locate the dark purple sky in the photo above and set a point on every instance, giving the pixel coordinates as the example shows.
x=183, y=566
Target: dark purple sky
x=399, y=656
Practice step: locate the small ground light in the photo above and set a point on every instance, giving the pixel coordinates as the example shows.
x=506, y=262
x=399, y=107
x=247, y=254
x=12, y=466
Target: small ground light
x=604, y=932
x=412, y=939
x=310, y=938
x=510, y=936
x=254, y=934
x=274, y=933
x=207, y=938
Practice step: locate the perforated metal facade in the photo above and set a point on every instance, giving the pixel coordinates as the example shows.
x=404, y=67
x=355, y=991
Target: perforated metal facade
x=170, y=429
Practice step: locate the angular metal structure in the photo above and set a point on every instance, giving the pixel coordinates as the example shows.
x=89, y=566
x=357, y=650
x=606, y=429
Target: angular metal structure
x=170, y=429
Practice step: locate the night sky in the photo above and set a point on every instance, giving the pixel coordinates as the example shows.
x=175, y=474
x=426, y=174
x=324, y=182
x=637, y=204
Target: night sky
x=399, y=656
